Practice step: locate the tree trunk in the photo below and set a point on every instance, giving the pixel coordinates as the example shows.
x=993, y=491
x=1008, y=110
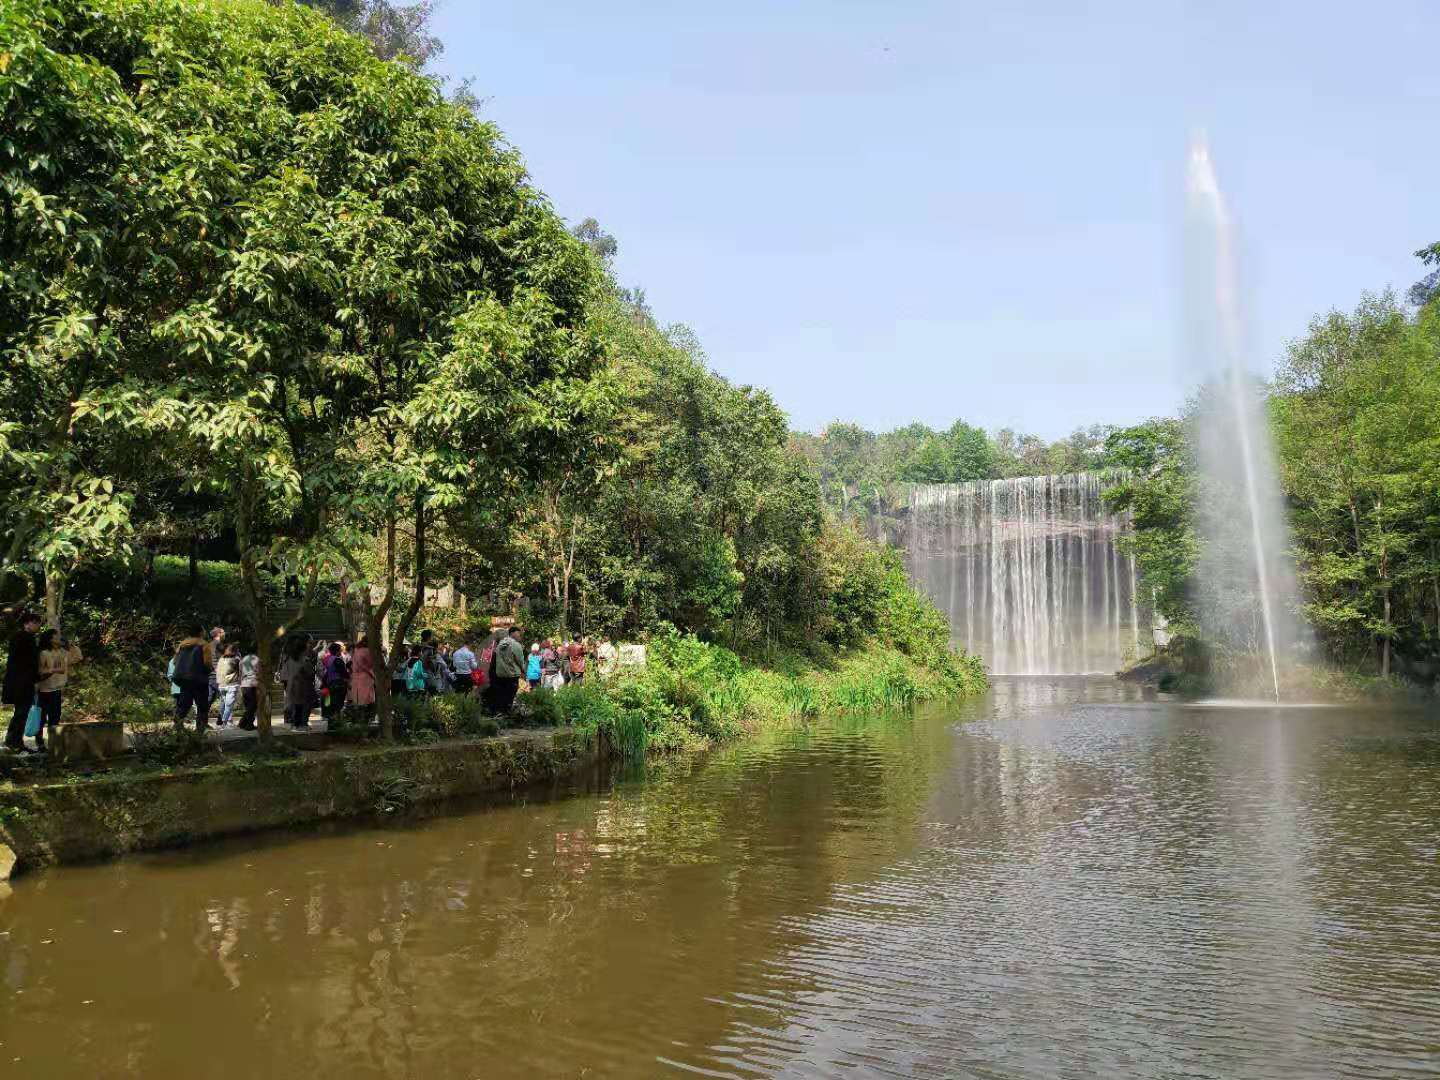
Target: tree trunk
x=1385, y=592
x=54, y=598
x=268, y=633
x=566, y=571
x=384, y=701
x=384, y=705
x=1435, y=585
x=1385, y=645
x=378, y=618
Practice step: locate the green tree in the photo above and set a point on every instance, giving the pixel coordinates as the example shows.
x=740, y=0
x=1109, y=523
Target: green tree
x=395, y=31
x=1157, y=490
x=1358, y=428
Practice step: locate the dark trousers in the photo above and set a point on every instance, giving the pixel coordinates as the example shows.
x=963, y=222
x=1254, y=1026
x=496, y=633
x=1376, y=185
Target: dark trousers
x=15, y=733
x=251, y=696
x=49, y=714
x=193, y=695
x=298, y=715
x=505, y=690
x=336, y=704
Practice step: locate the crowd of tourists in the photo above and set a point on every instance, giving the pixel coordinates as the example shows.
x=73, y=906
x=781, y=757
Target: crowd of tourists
x=208, y=673
x=212, y=675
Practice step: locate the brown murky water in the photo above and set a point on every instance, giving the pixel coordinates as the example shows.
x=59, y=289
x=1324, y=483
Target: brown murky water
x=1073, y=883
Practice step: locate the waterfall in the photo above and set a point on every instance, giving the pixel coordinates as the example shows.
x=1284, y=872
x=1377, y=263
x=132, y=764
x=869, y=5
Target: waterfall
x=1027, y=571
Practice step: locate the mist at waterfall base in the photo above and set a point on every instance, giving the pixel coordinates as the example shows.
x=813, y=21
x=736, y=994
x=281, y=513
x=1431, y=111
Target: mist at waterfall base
x=1027, y=571
x=1246, y=598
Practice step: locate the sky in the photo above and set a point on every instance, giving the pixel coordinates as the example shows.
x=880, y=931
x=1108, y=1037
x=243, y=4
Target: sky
x=901, y=210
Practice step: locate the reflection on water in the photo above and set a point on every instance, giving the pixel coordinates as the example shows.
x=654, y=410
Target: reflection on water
x=1070, y=883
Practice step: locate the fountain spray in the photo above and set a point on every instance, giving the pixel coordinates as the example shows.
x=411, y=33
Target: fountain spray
x=1235, y=455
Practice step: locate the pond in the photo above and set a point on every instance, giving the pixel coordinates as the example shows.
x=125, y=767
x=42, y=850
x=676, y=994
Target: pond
x=1059, y=879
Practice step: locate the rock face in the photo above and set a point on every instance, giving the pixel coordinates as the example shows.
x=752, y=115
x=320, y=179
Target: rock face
x=94, y=741
x=1027, y=570
x=7, y=862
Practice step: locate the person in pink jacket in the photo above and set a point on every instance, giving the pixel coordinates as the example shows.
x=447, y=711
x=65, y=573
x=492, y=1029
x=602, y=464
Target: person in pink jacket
x=362, y=678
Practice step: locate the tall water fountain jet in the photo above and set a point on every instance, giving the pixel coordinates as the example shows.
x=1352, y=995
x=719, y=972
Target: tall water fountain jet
x=1248, y=602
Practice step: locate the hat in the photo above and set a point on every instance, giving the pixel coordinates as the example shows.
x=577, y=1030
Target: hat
x=535, y=647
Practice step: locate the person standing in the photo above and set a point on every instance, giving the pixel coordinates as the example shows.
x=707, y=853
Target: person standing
x=549, y=666
x=463, y=664
x=22, y=673
x=577, y=661
x=441, y=677
x=174, y=686
x=415, y=679
x=249, y=689
x=217, y=653
x=227, y=682
x=194, y=664
x=533, y=667
x=509, y=670
x=298, y=675
x=487, y=666
x=362, y=678
x=337, y=681
x=57, y=657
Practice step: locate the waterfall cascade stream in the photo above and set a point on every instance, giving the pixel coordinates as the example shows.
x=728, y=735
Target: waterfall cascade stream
x=1027, y=570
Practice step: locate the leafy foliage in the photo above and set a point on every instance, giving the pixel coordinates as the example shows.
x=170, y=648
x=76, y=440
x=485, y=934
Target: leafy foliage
x=859, y=469
x=1355, y=411
x=262, y=285
x=695, y=694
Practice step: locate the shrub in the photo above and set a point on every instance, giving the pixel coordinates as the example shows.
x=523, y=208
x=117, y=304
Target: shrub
x=538, y=708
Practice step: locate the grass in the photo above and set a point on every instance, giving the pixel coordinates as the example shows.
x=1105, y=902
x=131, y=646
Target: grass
x=694, y=695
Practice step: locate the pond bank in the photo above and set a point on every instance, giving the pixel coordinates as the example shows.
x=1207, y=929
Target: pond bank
x=69, y=821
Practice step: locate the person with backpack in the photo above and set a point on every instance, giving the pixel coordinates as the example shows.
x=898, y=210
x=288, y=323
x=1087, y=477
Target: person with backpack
x=194, y=662
x=336, y=677
x=441, y=677
x=415, y=678
x=22, y=673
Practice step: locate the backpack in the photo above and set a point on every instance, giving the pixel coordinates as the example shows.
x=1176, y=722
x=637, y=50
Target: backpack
x=190, y=664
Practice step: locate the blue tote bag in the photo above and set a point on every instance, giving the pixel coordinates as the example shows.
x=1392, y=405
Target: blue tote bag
x=32, y=722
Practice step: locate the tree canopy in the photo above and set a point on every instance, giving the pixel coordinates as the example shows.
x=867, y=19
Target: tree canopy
x=261, y=282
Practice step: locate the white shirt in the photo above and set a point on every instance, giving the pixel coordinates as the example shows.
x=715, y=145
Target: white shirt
x=464, y=661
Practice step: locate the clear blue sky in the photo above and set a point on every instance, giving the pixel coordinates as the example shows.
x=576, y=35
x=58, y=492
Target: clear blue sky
x=896, y=210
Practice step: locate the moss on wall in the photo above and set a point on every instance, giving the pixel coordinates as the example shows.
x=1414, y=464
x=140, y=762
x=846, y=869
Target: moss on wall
x=79, y=820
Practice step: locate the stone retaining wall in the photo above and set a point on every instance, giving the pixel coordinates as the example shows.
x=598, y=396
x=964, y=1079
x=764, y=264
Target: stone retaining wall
x=123, y=812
